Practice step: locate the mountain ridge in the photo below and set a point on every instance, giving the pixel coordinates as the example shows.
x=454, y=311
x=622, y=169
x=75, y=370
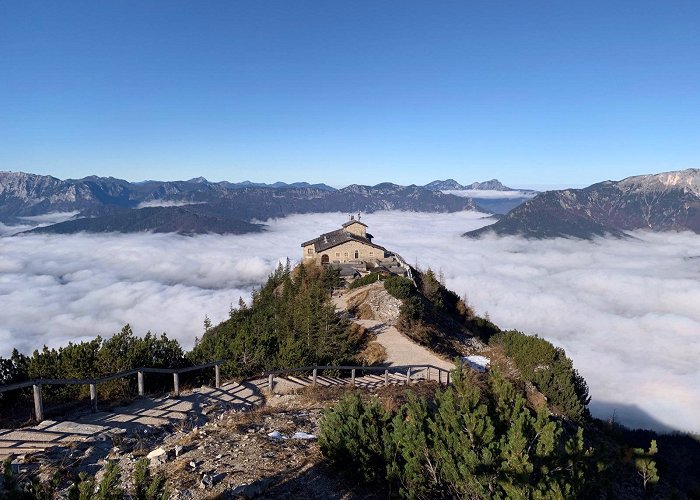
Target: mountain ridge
x=111, y=204
x=667, y=201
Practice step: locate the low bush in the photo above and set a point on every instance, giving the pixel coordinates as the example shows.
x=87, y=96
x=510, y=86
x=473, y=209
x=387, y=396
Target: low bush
x=549, y=369
x=469, y=441
x=352, y=433
x=365, y=280
x=400, y=287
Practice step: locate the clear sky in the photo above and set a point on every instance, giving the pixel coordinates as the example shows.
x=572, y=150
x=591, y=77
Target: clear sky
x=531, y=92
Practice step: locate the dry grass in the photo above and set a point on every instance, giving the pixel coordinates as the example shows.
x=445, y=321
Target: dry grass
x=374, y=353
x=355, y=300
x=393, y=396
x=502, y=362
x=359, y=334
x=365, y=311
x=243, y=420
x=319, y=396
x=189, y=439
x=535, y=398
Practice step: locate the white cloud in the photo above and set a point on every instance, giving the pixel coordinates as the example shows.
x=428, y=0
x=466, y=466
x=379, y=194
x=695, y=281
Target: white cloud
x=625, y=310
x=32, y=221
x=487, y=194
x=49, y=218
x=167, y=203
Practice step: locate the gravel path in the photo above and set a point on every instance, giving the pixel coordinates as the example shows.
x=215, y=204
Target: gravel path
x=400, y=349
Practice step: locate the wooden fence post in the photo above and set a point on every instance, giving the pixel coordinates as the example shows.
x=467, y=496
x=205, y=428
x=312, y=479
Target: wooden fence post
x=271, y=382
x=408, y=375
x=428, y=369
x=38, y=403
x=176, y=383
x=448, y=378
x=352, y=375
x=141, y=384
x=217, y=376
x=93, y=397
x=386, y=377
x=440, y=376
x=313, y=377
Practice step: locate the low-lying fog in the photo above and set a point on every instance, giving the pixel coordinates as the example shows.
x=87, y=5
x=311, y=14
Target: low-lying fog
x=626, y=311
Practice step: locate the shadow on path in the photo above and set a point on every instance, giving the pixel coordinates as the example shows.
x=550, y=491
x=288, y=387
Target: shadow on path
x=141, y=415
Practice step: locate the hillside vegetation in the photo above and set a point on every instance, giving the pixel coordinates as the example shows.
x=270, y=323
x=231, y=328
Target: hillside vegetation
x=522, y=430
x=87, y=360
x=291, y=323
x=476, y=439
x=434, y=316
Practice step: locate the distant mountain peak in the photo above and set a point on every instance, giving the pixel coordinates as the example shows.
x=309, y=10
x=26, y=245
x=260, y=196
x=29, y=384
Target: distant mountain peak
x=198, y=180
x=492, y=185
x=453, y=185
x=446, y=185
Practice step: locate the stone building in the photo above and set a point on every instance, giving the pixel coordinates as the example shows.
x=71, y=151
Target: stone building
x=350, y=243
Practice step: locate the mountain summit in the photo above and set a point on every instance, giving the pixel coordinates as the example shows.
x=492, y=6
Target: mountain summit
x=453, y=185
x=669, y=201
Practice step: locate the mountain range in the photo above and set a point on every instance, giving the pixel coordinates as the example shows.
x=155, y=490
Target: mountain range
x=657, y=202
x=198, y=205
x=668, y=201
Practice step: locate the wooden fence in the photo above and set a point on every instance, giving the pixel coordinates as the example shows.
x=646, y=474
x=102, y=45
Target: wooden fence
x=139, y=372
x=409, y=371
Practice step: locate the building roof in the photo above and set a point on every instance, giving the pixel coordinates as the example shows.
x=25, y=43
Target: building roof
x=345, y=269
x=353, y=221
x=338, y=237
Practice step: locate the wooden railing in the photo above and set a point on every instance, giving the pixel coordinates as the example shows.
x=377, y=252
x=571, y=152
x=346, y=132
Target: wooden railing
x=410, y=372
x=38, y=383
x=443, y=375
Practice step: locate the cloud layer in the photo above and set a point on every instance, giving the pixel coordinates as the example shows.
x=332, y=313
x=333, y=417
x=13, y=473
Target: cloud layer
x=625, y=310
x=487, y=194
x=32, y=221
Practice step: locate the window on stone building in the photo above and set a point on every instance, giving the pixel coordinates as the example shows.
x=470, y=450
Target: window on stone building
x=357, y=254
x=371, y=254
x=337, y=254
x=310, y=251
x=346, y=254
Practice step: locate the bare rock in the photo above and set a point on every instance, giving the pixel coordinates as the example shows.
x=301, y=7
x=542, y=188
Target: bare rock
x=157, y=453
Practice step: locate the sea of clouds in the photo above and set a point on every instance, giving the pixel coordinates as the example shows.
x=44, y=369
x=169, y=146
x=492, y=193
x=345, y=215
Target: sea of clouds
x=625, y=310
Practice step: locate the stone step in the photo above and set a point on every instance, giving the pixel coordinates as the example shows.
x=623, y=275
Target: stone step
x=18, y=450
x=25, y=444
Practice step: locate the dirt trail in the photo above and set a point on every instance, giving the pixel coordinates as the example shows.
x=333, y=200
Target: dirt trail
x=400, y=349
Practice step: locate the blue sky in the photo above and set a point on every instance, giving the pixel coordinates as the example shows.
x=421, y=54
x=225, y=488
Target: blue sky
x=533, y=93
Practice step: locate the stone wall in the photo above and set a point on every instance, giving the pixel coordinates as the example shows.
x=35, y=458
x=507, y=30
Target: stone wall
x=345, y=252
x=356, y=228
x=308, y=252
